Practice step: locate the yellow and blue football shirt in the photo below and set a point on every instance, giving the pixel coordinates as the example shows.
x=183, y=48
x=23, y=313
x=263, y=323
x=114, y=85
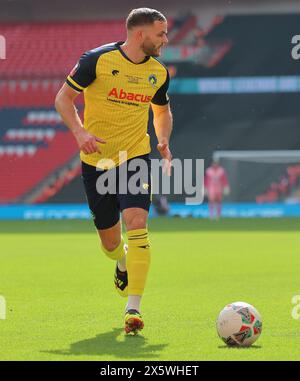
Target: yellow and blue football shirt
x=117, y=95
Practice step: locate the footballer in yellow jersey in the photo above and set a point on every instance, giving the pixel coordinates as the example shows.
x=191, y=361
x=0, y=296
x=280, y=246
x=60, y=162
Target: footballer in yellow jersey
x=121, y=81
x=117, y=95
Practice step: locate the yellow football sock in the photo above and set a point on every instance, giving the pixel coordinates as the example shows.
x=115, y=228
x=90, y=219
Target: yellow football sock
x=118, y=253
x=137, y=260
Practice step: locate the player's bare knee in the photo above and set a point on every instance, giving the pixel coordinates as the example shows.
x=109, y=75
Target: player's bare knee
x=136, y=222
x=109, y=244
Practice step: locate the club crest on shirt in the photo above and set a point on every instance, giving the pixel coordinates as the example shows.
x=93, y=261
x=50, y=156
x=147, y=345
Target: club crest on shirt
x=153, y=80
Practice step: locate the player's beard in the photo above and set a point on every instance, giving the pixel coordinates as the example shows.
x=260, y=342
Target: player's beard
x=150, y=49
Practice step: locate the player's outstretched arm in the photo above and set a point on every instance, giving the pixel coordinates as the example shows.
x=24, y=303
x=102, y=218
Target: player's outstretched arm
x=64, y=104
x=163, y=125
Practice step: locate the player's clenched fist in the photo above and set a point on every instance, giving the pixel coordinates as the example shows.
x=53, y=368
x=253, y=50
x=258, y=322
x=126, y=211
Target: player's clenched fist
x=87, y=142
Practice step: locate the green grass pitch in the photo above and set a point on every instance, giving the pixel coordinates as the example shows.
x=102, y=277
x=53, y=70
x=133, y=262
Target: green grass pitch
x=61, y=303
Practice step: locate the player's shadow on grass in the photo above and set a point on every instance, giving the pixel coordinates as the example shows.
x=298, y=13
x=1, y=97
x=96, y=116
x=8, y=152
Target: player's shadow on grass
x=106, y=344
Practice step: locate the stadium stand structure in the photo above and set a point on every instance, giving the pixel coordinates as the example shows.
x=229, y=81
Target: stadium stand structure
x=285, y=187
x=29, y=94
x=49, y=50
x=32, y=145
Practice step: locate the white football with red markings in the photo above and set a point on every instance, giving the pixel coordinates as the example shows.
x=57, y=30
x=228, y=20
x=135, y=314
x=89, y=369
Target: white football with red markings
x=239, y=324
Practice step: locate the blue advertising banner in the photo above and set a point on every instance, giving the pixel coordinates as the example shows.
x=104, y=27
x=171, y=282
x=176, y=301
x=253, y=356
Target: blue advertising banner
x=81, y=211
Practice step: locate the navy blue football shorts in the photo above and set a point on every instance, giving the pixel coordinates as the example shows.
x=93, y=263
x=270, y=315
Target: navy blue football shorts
x=109, y=192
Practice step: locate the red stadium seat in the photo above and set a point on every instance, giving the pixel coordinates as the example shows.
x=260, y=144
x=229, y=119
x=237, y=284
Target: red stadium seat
x=24, y=171
x=51, y=50
x=33, y=144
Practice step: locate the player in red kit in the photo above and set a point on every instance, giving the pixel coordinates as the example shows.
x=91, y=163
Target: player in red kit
x=216, y=184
